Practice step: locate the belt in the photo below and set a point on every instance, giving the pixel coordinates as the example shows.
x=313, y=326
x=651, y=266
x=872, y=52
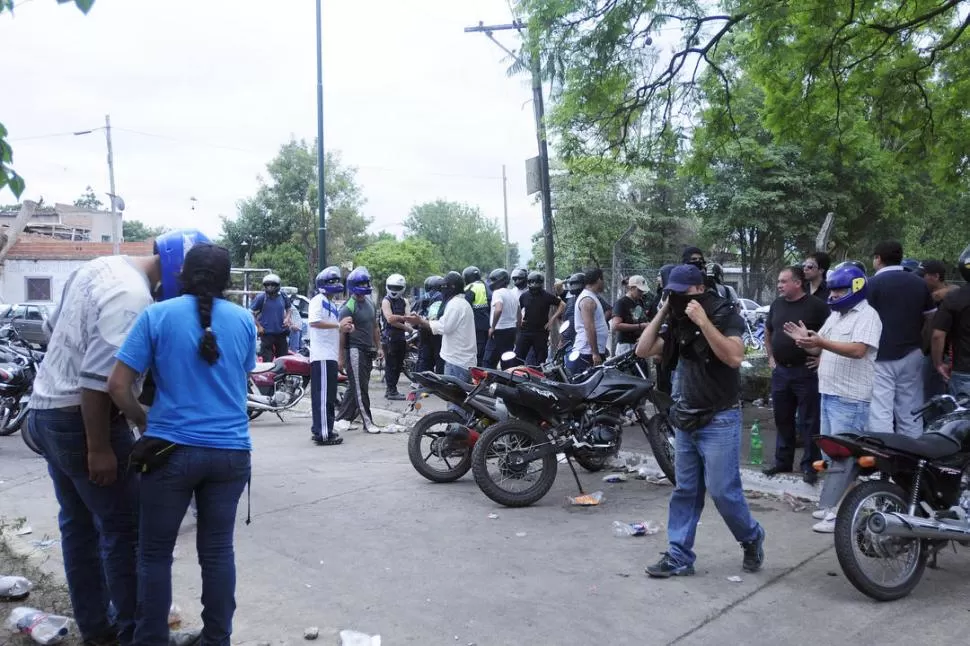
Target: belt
x=790, y=365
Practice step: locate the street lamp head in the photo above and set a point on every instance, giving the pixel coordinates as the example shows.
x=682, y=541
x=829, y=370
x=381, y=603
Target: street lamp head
x=117, y=202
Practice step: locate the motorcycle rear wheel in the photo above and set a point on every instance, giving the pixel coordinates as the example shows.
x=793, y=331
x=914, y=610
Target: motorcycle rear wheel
x=856, y=547
x=500, y=443
x=660, y=434
x=10, y=425
x=434, y=426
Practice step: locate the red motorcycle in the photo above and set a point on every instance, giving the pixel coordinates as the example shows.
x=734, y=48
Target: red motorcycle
x=280, y=385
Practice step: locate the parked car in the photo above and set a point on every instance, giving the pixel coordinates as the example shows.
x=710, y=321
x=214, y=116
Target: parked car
x=750, y=309
x=28, y=319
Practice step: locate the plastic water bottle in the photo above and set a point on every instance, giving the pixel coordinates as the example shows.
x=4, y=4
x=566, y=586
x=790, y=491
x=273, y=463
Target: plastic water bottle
x=14, y=587
x=42, y=627
x=644, y=528
x=755, y=456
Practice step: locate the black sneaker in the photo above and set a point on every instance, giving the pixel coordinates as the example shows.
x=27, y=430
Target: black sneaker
x=394, y=397
x=754, y=552
x=773, y=471
x=810, y=478
x=666, y=567
x=331, y=440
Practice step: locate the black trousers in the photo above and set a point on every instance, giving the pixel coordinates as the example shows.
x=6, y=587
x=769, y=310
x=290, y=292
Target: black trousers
x=323, y=395
x=359, y=364
x=538, y=342
x=394, y=352
x=481, y=337
x=795, y=401
x=501, y=342
x=429, y=353
x=274, y=345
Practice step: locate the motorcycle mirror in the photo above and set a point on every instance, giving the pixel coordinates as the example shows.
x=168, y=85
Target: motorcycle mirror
x=574, y=355
x=563, y=327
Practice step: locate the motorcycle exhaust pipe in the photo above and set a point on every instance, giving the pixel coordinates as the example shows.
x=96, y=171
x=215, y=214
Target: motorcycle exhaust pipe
x=906, y=526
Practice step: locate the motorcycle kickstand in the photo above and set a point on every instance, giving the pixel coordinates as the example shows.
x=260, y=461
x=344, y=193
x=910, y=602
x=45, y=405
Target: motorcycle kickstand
x=569, y=461
x=280, y=415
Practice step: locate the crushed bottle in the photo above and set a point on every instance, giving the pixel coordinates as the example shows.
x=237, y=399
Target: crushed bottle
x=14, y=588
x=42, y=627
x=585, y=500
x=174, y=616
x=642, y=528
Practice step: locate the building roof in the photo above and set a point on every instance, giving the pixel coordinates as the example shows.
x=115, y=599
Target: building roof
x=44, y=248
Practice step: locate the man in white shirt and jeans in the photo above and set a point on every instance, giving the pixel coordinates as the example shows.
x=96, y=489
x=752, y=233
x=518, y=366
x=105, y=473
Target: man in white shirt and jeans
x=847, y=345
x=456, y=326
x=502, y=319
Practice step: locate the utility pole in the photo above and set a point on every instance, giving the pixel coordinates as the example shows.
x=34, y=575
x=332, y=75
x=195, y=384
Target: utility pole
x=505, y=206
x=321, y=193
x=115, y=216
x=539, y=111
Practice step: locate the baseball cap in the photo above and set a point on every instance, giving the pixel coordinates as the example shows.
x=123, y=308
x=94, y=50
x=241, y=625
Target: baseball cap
x=637, y=281
x=683, y=277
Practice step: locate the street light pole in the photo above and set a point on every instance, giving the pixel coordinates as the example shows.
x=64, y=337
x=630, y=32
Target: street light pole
x=505, y=209
x=115, y=217
x=539, y=111
x=321, y=194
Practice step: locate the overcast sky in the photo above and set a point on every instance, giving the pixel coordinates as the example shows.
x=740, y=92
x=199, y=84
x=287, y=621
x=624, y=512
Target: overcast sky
x=423, y=110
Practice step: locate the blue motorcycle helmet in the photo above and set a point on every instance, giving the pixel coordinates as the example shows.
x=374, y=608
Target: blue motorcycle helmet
x=171, y=247
x=846, y=277
x=358, y=282
x=329, y=282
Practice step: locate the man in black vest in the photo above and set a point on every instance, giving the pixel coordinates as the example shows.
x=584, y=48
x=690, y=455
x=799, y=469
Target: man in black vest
x=394, y=335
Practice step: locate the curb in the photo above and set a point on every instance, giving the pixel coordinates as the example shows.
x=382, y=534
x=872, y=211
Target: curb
x=751, y=479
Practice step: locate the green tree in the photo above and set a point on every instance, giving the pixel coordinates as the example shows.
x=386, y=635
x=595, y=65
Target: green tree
x=414, y=258
x=462, y=235
x=88, y=199
x=136, y=231
x=8, y=176
x=286, y=260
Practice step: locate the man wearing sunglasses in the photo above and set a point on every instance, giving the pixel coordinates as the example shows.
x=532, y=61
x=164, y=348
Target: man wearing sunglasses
x=816, y=265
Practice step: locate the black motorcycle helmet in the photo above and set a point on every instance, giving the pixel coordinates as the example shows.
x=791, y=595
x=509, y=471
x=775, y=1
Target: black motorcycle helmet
x=855, y=263
x=964, y=264
x=519, y=277
x=576, y=283
x=433, y=283
x=716, y=272
x=452, y=285
x=498, y=279
x=471, y=275
x=535, y=281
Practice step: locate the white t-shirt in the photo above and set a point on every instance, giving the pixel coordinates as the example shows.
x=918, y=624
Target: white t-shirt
x=459, y=345
x=323, y=342
x=99, y=305
x=510, y=308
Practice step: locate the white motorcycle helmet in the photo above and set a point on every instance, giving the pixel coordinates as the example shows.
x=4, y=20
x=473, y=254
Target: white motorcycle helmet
x=395, y=285
x=271, y=282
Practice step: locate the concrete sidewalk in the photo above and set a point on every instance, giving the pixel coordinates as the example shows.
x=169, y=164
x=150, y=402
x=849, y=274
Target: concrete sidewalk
x=351, y=537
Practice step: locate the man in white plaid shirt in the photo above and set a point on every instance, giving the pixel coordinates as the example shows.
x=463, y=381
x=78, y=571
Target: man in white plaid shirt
x=847, y=343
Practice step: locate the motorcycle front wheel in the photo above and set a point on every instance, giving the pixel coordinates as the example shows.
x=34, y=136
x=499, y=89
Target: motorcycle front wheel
x=10, y=415
x=429, y=450
x=884, y=568
x=499, y=471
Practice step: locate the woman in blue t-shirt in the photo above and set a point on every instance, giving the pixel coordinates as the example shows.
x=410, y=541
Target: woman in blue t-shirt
x=196, y=438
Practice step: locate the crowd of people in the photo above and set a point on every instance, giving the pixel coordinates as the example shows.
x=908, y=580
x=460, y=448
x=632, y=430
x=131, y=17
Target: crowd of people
x=848, y=352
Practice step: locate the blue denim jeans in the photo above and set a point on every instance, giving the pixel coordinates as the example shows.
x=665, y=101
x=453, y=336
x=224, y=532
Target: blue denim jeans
x=841, y=415
x=959, y=384
x=99, y=525
x=708, y=461
x=217, y=477
x=453, y=370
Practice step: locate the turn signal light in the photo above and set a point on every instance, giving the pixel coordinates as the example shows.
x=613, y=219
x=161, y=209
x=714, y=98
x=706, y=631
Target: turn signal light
x=867, y=461
x=819, y=465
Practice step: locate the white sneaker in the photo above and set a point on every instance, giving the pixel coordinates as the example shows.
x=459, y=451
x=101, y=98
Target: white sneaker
x=826, y=525
x=373, y=430
x=821, y=513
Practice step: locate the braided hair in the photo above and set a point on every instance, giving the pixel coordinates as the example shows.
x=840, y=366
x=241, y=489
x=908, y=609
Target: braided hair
x=205, y=275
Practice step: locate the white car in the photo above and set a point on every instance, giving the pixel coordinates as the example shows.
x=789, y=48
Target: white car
x=750, y=310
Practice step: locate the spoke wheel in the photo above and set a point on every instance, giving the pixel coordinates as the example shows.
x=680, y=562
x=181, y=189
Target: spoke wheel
x=499, y=469
x=662, y=440
x=432, y=453
x=883, y=567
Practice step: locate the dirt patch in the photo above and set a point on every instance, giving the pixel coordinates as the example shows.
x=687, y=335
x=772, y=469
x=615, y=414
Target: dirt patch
x=49, y=594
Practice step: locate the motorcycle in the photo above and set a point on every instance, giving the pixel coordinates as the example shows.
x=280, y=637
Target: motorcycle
x=280, y=385
x=17, y=372
x=754, y=335
x=582, y=419
x=888, y=527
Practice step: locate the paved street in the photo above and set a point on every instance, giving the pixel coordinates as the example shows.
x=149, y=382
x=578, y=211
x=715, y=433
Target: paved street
x=351, y=537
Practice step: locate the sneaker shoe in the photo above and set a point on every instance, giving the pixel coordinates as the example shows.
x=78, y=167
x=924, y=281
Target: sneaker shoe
x=754, y=552
x=773, y=471
x=820, y=514
x=826, y=525
x=810, y=478
x=373, y=430
x=342, y=425
x=394, y=397
x=184, y=637
x=666, y=567
x=331, y=440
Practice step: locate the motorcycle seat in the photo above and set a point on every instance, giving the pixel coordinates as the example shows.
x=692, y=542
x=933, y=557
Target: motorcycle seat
x=932, y=446
x=262, y=367
x=456, y=382
x=580, y=391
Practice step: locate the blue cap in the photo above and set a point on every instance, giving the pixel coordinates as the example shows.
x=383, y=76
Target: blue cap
x=682, y=277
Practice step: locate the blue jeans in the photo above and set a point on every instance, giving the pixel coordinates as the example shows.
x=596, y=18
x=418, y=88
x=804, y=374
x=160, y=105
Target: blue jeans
x=452, y=370
x=217, y=477
x=708, y=460
x=841, y=415
x=959, y=383
x=296, y=340
x=99, y=525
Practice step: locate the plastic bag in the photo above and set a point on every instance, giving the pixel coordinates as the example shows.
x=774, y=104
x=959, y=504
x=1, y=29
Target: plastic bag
x=586, y=500
x=43, y=628
x=14, y=588
x=354, y=638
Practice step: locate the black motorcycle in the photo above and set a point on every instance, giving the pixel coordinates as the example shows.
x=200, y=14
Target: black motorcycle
x=17, y=372
x=889, y=526
x=515, y=462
